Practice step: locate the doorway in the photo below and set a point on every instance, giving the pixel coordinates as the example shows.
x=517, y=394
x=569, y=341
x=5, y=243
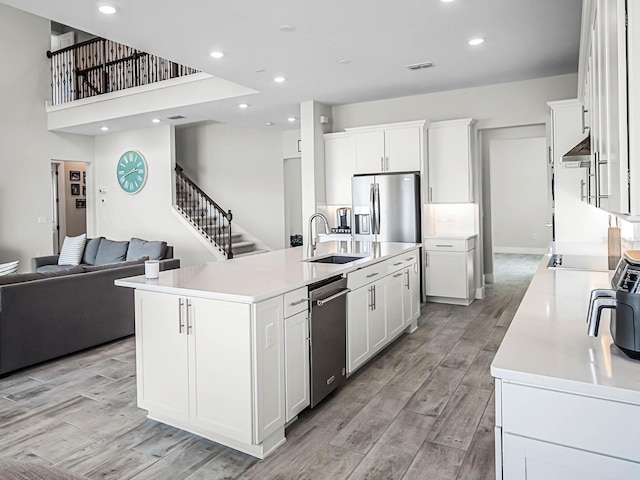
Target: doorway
x=292, y=201
x=69, y=200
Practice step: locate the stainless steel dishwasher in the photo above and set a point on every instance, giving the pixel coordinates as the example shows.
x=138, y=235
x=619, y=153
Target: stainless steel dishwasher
x=328, y=332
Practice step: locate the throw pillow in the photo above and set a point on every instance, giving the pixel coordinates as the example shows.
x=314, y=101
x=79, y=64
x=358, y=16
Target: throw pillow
x=139, y=248
x=72, y=249
x=8, y=268
x=91, y=250
x=111, y=251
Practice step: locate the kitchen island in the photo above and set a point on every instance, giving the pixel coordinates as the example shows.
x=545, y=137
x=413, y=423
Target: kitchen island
x=567, y=405
x=222, y=349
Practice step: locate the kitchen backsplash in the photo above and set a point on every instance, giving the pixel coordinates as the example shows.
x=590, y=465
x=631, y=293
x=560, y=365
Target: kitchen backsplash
x=451, y=219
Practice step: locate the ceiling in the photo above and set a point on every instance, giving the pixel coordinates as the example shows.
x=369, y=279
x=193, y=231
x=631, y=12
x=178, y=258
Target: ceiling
x=374, y=39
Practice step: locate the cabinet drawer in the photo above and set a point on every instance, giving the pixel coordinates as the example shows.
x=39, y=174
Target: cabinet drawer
x=401, y=261
x=450, y=244
x=367, y=275
x=295, y=302
x=588, y=423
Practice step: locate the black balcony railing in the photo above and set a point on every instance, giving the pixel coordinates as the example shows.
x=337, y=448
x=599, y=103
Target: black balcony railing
x=100, y=66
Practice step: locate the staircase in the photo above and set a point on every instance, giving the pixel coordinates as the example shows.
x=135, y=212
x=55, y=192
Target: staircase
x=209, y=220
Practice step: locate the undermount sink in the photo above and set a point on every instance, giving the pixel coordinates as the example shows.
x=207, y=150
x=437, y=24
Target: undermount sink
x=337, y=259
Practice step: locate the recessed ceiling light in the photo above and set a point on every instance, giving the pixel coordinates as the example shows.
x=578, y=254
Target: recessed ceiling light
x=243, y=105
x=476, y=41
x=268, y=124
x=279, y=79
x=292, y=119
x=156, y=120
x=104, y=129
x=343, y=61
x=107, y=9
x=260, y=70
x=446, y=1
x=287, y=28
x=217, y=54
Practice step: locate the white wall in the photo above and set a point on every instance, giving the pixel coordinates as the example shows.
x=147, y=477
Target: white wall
x=27, y=148
x=520, y=195
x=241, y=169
x=148, y=214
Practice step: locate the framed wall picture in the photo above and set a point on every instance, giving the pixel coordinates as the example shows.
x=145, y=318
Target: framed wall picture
x=74, y=175
x=75, y=189
x=81, y=203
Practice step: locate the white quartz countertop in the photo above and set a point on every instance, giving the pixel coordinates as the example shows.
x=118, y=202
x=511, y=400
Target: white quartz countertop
x=547, y=343
x=451, y=237
x=255, y=278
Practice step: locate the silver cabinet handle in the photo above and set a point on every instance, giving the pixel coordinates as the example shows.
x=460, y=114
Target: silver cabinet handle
x=374, y=296
x=373, y=274
x=397, y=263
x=180, y=322
x=298, y=302
x=443, y=245
x=431, y=194
x=408, y=279
x=382, y=163
x=189, y=320
x=409, y=259
x=584, y=123
x=582, y=195
x=387, y=161
x=397, y=275
x=370, y=298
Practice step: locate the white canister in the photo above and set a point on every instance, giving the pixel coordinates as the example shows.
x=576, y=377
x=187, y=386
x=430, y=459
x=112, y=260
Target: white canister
x=151, y=269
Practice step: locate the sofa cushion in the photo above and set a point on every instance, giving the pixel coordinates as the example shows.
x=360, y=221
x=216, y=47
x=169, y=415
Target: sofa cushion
x=57, y=270
x=91, y=250
x=106, y=266
x=111, y=251
x=72, y=249
x=139, y=248
x=8, y=268
x=19, y=278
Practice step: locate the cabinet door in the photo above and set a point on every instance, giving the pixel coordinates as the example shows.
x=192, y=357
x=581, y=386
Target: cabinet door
x=403, y=152
x=411, y=293
x=370, y=152
x=340, y=165
x=359, y=302
x=161, y=355
x=524, y=458
x=394, y=287
x=446, y=274
x=377, y=318
x=296, y=363
x=449, y=163
x=221, y=394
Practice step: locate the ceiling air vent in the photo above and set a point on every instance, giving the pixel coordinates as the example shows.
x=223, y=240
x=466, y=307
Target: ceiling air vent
x=420, y=66
x=176, y=117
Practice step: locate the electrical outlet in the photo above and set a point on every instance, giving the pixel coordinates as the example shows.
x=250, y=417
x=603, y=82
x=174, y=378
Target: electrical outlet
x=268, y=334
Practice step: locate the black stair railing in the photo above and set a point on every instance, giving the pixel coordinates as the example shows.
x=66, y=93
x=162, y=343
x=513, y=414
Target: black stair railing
x=100, y=66
x=205, y=214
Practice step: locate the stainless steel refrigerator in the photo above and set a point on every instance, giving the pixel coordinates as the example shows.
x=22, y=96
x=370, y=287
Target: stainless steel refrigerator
x=386, y=207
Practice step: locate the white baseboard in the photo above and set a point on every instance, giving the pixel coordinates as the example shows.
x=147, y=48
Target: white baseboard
x=489, y=278
x=480, y=293
x=521, y=250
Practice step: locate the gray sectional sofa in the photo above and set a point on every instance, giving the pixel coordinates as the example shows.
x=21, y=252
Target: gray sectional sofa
x=60, y=309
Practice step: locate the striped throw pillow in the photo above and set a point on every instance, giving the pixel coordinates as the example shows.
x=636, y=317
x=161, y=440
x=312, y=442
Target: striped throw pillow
x=72, y=249
x=8, y=268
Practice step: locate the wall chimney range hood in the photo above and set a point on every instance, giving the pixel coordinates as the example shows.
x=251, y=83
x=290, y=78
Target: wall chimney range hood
x=579, y=156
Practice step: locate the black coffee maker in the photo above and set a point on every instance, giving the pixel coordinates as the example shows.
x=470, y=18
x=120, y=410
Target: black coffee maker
x=624, y=300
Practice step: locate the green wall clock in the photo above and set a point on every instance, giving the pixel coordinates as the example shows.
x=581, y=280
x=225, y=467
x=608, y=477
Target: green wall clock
x=132, y=171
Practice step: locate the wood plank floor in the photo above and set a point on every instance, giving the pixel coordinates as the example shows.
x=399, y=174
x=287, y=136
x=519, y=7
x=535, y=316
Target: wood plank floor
x=421, y=409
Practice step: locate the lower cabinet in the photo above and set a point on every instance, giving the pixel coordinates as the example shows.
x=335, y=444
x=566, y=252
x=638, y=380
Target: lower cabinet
x=296, y=364
x=384, y=301
x=449, y=270
x=185, y=347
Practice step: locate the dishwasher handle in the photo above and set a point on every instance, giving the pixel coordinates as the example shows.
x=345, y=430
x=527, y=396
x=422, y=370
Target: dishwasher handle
x=321, y=301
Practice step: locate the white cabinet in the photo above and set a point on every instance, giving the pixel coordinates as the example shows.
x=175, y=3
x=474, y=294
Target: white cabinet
x=449, y=270
x=603, y=91
x=384, y=302
x=394, y=147
x=340, y=165
x=449, y=162
x=185, y=348
x=550, y=434
x=296, y=352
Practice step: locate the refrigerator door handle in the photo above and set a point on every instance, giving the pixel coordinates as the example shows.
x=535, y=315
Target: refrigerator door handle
x=377, y=207
x=372, y=209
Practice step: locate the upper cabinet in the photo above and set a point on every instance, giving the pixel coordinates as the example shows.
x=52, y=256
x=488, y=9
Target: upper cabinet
x=449, y=162
x=604, y=58
x=396, y=147
x=340, y=165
